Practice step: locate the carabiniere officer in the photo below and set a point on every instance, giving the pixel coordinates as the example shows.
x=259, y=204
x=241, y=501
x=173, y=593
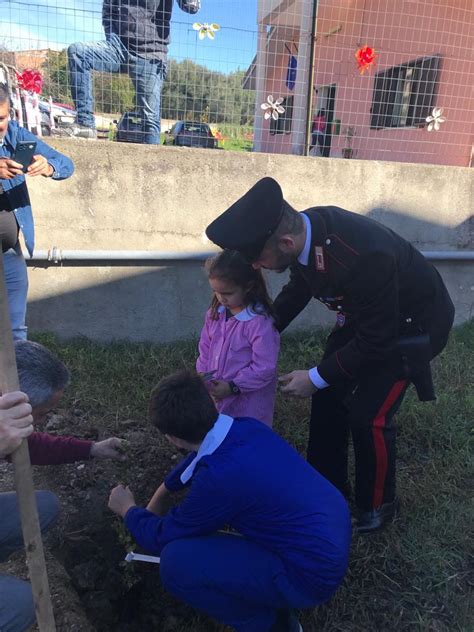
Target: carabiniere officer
x=393, y=316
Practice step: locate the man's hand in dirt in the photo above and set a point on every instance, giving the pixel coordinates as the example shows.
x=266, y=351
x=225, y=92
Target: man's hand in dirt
x=108, y=449
x=9, y=169
x=15, y=421
x=40, y=167
x=120, y=500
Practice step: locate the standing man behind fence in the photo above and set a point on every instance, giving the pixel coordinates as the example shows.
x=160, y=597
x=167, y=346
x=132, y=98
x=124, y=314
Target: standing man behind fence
x=137, y=36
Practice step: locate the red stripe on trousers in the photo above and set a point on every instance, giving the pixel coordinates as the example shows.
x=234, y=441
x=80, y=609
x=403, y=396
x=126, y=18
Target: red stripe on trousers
x=379, y=442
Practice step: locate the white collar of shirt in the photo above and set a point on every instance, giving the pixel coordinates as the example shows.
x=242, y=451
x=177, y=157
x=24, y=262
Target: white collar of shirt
x=245, y=315
x=211, y=442
x=2, y=140
x=303, y=259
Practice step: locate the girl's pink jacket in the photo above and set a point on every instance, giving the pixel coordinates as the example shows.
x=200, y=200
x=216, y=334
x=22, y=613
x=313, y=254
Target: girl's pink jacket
x=242, y=349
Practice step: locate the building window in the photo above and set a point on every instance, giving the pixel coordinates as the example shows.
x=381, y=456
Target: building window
x=283, y=123
x=405, y=95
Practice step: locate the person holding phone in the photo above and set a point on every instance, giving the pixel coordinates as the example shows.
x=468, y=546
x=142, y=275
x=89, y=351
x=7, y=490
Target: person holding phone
x=22, y=154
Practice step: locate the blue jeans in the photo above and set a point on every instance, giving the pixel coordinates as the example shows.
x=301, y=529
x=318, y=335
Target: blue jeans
x=16, y=279
x=232, y=579
x=111, y=55
x=17, y=611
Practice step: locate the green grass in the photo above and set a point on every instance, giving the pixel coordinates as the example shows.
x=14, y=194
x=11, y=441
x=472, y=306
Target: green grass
x=413, y=576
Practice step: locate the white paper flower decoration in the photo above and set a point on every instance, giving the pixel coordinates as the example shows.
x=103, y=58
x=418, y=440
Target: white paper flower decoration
x=206, y=29
x=435, y=119
x=273, y=108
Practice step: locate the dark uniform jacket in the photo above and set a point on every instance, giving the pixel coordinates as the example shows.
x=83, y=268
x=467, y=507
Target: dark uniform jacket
x=143, y=25
x=377, y=281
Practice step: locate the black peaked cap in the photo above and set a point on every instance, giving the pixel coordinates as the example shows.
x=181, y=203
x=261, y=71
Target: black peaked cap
x=250, y=221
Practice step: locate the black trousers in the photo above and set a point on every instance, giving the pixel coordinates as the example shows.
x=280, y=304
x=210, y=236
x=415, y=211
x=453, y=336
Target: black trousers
x=364, y=408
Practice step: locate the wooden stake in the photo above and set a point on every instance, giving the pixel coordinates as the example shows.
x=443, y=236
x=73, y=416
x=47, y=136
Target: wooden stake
x=23, y=476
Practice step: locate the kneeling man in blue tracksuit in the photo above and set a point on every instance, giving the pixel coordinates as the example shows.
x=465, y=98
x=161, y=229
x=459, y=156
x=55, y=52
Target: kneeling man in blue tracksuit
x=294, y=526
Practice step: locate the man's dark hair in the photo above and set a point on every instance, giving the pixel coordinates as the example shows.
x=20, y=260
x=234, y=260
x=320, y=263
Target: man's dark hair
x=4, y=94
x=291, y=223
x=181, y=406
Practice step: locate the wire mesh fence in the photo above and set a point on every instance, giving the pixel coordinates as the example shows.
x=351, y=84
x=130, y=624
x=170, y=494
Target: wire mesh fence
x=365, y=79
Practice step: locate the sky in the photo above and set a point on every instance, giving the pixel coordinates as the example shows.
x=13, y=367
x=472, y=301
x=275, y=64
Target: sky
x=27, y=24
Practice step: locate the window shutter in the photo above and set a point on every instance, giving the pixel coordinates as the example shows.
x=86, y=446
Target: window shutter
x=425, y=89
x=382, y=100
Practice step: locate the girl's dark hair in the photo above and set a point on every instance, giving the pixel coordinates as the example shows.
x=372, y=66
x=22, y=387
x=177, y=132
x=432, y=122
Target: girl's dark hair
x=231, y=266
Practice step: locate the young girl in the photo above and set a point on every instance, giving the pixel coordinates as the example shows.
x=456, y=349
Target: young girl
x=239, y=344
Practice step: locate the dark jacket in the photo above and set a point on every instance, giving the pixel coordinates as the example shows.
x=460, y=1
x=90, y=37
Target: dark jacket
x=143, y=26
x=375, y=279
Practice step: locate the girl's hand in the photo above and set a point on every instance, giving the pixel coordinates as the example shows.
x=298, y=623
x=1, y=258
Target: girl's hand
x=219, y=389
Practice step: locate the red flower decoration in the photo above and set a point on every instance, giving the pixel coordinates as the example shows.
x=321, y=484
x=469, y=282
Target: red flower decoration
x=365, y=58
x=30, y=80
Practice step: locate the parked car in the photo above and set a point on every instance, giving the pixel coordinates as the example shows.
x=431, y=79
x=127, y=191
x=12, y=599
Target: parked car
x=191, y=134
x=64, y=116
x=130, y=128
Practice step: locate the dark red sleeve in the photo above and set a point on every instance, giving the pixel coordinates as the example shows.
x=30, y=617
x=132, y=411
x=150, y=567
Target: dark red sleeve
x=46, y=449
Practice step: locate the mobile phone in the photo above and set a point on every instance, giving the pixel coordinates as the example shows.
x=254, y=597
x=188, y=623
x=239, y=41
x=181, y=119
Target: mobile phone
x=24, y=152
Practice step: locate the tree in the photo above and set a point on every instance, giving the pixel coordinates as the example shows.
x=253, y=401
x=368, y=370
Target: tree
x=190, y=91
x=193, y=91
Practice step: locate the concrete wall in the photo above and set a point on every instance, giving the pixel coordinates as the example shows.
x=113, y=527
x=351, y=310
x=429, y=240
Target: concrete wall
x=129, y=197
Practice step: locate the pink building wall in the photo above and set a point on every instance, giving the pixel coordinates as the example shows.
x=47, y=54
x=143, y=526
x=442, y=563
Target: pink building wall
x=400, y=31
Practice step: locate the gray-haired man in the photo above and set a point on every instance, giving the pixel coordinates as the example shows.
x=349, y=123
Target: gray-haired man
x=43, y=378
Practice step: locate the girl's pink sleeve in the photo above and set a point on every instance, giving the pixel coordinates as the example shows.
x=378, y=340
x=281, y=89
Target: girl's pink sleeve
x=265, y=342
x=202, y=363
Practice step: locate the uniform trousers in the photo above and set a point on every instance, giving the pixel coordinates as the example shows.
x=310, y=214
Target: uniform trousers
x=364, y=408
x=233, y=580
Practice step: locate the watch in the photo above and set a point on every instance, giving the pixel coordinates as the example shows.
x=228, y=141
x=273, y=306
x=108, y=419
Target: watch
x=234, y=388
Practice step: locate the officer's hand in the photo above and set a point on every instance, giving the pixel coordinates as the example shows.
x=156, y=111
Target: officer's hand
x=297, y=384
x=9, y=169
x=40, y=167
x=15, y=421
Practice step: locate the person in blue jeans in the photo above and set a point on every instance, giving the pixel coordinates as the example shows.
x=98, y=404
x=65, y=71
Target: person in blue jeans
x=293, y=526
x=14, y=198
x=137, y=35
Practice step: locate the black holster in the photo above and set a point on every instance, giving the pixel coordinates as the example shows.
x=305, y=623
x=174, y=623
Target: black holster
x=415, y=352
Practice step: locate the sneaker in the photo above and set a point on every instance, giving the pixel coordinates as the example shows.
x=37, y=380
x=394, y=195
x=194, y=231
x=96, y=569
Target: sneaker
x=81, y=131
x=377, y=519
